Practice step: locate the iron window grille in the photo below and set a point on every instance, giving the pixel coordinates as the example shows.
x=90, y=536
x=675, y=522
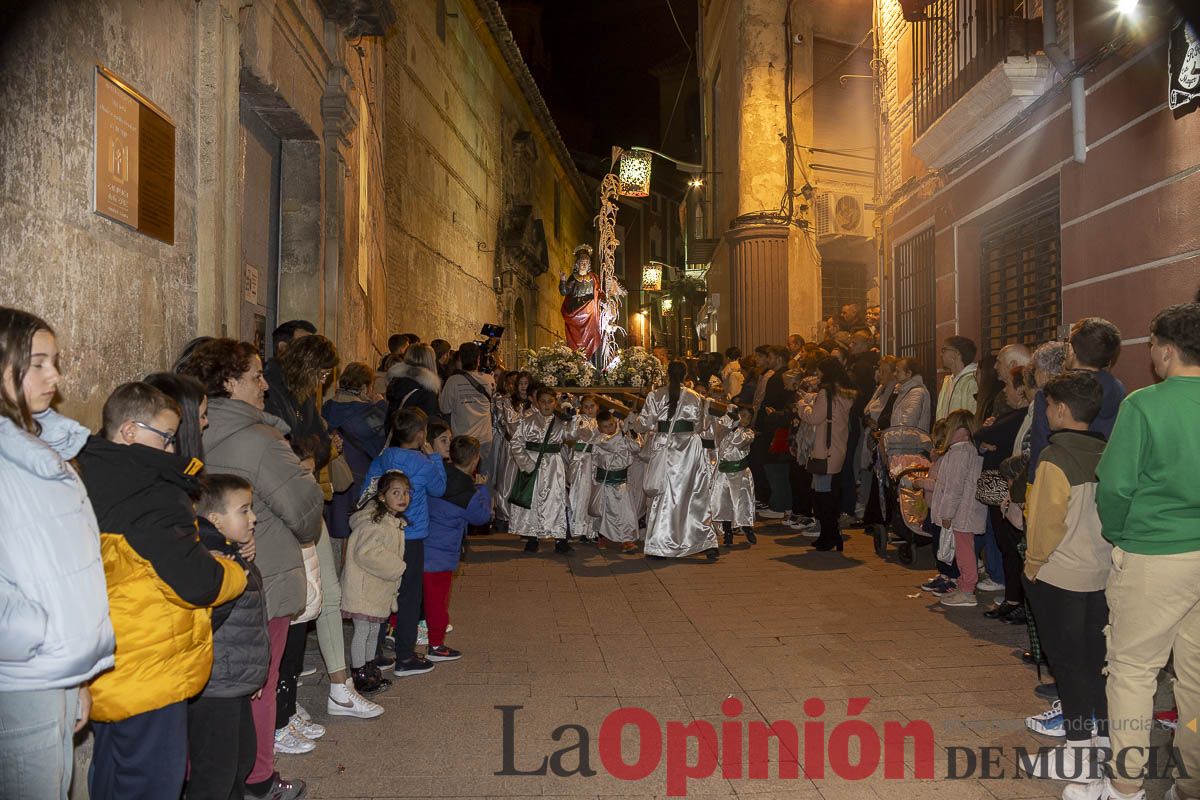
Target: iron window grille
x=1020, y=276
x=916, y=324
x=958, y=43
x=842, y=282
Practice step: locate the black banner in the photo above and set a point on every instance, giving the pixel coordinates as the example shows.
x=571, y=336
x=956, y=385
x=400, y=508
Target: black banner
x=1184, y=61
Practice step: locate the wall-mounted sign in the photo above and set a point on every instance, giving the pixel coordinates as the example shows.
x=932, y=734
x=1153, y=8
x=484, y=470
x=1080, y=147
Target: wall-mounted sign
x=1184, y=61
x=250, y=284
x=135, y=159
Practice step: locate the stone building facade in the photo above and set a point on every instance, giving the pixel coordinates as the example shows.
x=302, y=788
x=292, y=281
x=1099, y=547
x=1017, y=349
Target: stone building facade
x=1015, y=202
x=278, y=109
x=484, y=204
x=786, y=140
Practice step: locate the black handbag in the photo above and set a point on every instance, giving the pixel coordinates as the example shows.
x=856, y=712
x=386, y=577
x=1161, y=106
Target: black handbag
x=525, y=482
x=991, y=489
x=820, y=466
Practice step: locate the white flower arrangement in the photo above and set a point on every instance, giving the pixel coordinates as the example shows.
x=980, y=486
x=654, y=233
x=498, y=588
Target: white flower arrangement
x=635, y=367
x=559, y=365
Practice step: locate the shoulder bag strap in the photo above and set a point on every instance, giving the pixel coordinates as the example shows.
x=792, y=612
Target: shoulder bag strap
x=545, y=439
x=478, y=386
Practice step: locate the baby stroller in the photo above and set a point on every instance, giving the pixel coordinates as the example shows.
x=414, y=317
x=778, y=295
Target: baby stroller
x=903, y=459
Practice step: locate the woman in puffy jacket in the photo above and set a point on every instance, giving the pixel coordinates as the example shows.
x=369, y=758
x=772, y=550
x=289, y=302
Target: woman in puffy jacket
x=242, y=439
x=55, y=633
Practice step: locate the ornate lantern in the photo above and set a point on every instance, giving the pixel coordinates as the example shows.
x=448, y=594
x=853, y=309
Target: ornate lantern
x=667, y=305
x=651, y=278
x=634, y=174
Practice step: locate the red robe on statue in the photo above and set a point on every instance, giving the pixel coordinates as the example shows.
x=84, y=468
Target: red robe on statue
x=581, y=312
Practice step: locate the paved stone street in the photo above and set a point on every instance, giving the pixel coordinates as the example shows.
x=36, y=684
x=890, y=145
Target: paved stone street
x=573, y=638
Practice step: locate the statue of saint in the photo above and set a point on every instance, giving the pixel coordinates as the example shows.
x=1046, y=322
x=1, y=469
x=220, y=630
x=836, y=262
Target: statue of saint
x=582, y=296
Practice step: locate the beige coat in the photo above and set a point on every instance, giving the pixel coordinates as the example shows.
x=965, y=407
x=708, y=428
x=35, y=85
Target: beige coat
x=814, y=411
x=374, y=564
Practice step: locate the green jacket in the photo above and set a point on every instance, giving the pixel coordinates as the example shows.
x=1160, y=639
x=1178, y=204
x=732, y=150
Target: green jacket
x=1147, y=496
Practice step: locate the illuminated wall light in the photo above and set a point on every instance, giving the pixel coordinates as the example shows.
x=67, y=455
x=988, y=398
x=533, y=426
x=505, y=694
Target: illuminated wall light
x=1127, y=7
x=667, y=305
x=651, y=279
x=634, y=174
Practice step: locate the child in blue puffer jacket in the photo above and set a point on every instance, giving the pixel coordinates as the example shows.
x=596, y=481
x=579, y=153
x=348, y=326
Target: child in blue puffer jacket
x=467, y=501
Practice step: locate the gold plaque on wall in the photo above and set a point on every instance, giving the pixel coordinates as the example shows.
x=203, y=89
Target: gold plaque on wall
x=134, y=158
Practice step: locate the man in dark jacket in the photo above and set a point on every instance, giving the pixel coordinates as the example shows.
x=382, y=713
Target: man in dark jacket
x=161, y=581
x=863, y=363
x=221, y=738
x=772, y=411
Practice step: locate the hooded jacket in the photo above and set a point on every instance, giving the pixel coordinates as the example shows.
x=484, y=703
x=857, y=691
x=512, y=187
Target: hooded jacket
x=241, y=648
x=54, y=625
x=374, y=564
x=161, y=580
x=246, y=441
x=464, y=504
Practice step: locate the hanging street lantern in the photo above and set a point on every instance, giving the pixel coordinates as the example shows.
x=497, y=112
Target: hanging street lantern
x=667, y=305
x=634, y=173
x=651, y=278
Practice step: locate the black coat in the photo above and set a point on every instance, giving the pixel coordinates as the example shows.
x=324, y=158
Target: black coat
x=776, y=409
x=241, y=648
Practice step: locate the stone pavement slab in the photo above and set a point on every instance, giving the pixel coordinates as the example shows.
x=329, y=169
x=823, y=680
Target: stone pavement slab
x=837, y=649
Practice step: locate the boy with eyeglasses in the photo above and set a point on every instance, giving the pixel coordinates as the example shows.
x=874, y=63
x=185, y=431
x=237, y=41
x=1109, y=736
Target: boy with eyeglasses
x=161, y=583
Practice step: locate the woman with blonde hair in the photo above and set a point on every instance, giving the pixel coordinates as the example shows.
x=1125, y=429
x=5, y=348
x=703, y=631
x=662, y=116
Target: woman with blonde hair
x=414, y=383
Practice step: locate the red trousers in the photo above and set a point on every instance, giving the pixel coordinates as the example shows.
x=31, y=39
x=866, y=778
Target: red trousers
x=437, y=605
x=263, y=709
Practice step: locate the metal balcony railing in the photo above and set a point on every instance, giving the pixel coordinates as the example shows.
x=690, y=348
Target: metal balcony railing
x=958, y=43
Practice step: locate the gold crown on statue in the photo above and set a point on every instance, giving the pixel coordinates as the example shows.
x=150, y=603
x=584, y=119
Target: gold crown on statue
x=585, y=249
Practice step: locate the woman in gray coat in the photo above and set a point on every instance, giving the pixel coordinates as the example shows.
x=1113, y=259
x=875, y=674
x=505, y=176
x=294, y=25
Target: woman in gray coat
x=244, y=440
x=912, y=398
x=55, y=633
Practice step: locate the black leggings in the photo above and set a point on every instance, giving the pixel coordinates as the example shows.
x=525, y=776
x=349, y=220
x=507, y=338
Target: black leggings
x=801, y=483
x=290, y=667
x=1007, y=539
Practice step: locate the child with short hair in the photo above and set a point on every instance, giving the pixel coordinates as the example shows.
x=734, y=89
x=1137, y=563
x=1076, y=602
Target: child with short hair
x=161, y=583
x=221, y=737
x=540, y=433
x=426, y=470
x=467, y=501
x=1067, y=562
x=615, y=452
x=371, y=577
x=733, y=484
x=954, y=506
x=580, y=434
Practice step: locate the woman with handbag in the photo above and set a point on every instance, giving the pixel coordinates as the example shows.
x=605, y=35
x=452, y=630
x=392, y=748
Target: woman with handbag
x=678, y=479
x=995, y=441
x=828, y=411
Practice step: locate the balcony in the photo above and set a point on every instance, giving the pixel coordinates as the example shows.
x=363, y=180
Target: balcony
x=976, y=64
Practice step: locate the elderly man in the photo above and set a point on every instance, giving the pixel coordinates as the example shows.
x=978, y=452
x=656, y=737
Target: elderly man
x=1010, y=357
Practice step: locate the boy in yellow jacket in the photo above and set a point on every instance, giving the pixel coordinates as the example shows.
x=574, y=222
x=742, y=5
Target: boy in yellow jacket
x=162, y=584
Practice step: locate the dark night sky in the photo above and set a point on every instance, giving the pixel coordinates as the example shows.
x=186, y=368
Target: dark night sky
x=596, y=70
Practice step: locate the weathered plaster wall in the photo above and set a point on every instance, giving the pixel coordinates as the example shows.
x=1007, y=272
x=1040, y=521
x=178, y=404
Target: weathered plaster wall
x=452, y=107
x=122, y=303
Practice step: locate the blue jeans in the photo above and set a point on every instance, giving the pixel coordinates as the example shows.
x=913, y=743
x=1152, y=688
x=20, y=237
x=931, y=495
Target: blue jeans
x=36, y=743
x=140, y=758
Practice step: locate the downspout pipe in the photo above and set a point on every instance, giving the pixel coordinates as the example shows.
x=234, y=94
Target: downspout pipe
x=1064, y=66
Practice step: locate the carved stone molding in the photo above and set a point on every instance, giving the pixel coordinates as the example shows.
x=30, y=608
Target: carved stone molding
x=338, y=112
x=360, y=17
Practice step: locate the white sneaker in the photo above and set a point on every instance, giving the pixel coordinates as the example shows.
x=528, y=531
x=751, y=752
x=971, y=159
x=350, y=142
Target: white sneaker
x=799, y=522
x=290, y=743
x=1049, y=722
x=307, y=728
x=989, y=585
x=303, y=714
x=1074, y=761
x=960, y=599
x=344, y=701
x=1096, y=790
x=766, y=513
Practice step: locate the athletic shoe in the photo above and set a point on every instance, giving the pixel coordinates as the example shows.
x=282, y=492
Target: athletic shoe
x=989, y=585
x=960, y=600
x=1096, y=790
x=282, y=790
x=1001, y=611
x=1074, y=761
x=812, y=530
x=938, y=583
x=449, y=628
x=303, y=714
x=789, y=518
x=1167, y=719
x=1049, y=722
x=443, y=653
x=799, y=521
x=950, y=588
x=345, y=702
x=289, y=742
x=766, y=513
x=307, y=728
x=413, y=666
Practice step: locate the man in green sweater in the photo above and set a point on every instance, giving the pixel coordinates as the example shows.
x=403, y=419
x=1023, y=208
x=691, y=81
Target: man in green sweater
x=1149, y=507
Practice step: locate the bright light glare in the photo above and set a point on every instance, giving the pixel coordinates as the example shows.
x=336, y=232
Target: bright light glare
x=1127, y=7
x=696, y=183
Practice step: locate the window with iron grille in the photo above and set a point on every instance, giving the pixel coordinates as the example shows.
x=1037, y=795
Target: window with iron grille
x=959, y=42
x=916, y=326
x=1019, y=266
x=842, y=282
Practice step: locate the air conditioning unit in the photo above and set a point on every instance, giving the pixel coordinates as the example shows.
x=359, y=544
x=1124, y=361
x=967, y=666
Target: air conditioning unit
x=840, y=214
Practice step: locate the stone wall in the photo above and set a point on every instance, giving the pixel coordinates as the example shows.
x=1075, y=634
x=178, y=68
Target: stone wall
x=463, y=146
